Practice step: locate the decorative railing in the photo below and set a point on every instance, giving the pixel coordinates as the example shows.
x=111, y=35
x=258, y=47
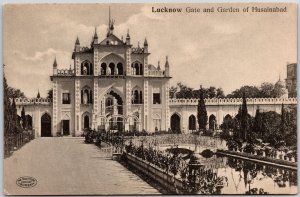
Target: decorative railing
x=66, y=72
x=34, y=101
x=234, y=101
x=137, y=50
x=156, y=73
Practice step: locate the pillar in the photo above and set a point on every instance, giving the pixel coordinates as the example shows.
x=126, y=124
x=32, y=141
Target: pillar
x=77, y=108
x=128, y=61
x=167, y=106
x=146, y=98
x=95, y=104
x=54, y=110
x=128, y=97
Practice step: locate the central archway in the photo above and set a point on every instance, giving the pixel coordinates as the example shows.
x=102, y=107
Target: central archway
x=175, y=123
x=86, y=122
x=46, y=125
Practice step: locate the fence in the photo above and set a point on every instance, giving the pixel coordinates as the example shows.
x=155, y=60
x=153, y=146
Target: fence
x=171, y=139
x=16, y=141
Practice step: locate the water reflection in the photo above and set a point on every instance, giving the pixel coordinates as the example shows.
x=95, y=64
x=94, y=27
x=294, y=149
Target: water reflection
x=245, y=177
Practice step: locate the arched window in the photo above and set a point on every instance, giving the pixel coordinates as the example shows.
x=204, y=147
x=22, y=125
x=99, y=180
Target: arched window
x=103, y=69
x=212, y=122
x=136, y=97
x=86, y=95
x=192, y=122
x=86, y=68
x=111, y=69
x=141, y=97
x=141, y=69
x=108, y=105
x=109, y=102
x=120, y=69
x=137, y=69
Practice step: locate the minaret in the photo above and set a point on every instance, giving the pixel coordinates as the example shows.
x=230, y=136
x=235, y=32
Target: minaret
x=77, y=45
x=55, y=67
x=158, y=66
x=38, y=94
x=145, y=46
x=111, y=22
x=167, y=68
x=95, y=37
x=128, y=38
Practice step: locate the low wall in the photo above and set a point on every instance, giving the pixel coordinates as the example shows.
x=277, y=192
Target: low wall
x=260, y=159
x=165, y=179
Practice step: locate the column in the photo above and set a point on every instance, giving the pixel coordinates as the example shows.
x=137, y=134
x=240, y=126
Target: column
x=95, y=104
x=96, y=71
x=128, y=61
x=77, y=108
x=146, y=65
x=54, y=110
x=167, y=106
x=146, y=97
x=128, y=97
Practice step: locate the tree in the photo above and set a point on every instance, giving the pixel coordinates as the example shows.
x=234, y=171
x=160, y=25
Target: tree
x=258, y=123
x=266, y=90
x=8, y=124
x=184, y=91
x=15, y=93
x=220, y=93
x=201, y=112
x=23, y=118
x=244, y=118
x=283, y=123
x=50, y=94
x=251, y=91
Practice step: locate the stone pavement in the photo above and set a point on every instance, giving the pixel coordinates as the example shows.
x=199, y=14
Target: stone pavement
x=69, y=166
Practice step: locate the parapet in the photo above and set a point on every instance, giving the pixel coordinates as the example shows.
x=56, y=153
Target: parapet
x=235, y=101
x=34, y=101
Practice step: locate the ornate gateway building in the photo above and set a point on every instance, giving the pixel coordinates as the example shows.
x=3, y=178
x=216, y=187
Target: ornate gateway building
x=113, y=87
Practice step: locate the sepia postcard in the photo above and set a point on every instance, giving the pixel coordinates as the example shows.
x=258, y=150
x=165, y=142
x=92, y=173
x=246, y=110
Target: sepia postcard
x=150, y=99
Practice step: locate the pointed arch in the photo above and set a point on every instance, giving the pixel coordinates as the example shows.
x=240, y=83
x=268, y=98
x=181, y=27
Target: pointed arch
x=120, y=68
x=103, y=69
x=212, y=122
x=175, y=123
x=86, y=68
x=86, y=120
x=192, y=122
x=46, y=125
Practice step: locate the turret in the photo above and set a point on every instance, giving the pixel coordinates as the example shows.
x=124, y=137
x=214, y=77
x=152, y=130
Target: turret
x=38, y=94
x=77, y=45
x=145, y=46
x=95, y=40
x=167, y=68
x=128, y=38
x=55, y=67
x=158, y=66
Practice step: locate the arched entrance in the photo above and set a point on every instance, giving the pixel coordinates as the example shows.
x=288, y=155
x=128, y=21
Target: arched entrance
x=29, y=122
x=175, y=123
x=212, y=122
x=46, y=125
x=86, y=122
x=192, y=123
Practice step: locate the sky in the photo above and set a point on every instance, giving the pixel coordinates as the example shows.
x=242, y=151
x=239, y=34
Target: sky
x=226, y=50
